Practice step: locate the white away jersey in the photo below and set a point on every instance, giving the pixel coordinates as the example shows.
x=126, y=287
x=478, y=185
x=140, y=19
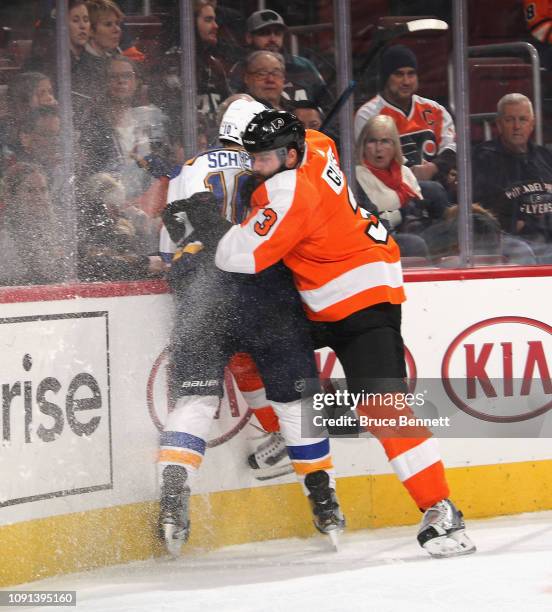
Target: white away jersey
x=221, y=171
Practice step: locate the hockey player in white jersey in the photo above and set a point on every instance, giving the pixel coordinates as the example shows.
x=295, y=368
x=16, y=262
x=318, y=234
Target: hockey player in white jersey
x=225, y=172
x=214, y=320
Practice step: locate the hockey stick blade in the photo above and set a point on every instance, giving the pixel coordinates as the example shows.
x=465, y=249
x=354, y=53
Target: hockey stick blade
x=418, y=25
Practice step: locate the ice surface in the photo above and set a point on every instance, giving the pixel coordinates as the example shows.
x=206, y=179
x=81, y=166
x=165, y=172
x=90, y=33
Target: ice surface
x=379, y=570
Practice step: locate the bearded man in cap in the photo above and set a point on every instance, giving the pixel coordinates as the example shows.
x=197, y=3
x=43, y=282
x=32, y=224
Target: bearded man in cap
x=426, y=129
x=265, y=32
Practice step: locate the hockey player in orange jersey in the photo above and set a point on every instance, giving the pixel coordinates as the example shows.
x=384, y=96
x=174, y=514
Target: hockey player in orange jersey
x=214, y=320
x=348, y=273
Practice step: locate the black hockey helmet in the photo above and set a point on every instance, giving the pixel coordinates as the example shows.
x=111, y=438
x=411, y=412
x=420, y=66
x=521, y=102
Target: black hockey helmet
x=272, y=129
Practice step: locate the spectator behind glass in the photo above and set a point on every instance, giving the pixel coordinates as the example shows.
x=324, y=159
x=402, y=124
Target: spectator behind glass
x=29, y=238
x=105, y=21
x=39, y=143
x=111, y=243
x=264, y=79
x=39, y=139
x=426, y=129
x=123, y=137
x=488, y=240
x=308, y=114
x=512, y=176
x=212, y=86
x=265, y=32
x=79, y=27
x=86, y=70
x=26, y=91
x=381, y=173
x=388, y=187
x=43, y=52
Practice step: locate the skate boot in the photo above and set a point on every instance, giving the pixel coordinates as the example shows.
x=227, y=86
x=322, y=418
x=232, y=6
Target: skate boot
x=442, y=531
x=271, y=459
x=174, y=524
x=327, y=516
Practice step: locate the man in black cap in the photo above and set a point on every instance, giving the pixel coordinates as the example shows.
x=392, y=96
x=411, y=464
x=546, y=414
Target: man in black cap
x=265, y=32
x=428, y=137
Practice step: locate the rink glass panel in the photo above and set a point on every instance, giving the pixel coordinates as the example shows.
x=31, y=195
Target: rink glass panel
x=166, y=125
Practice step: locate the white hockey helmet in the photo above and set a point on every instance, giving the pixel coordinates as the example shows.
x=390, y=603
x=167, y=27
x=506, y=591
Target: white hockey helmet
x=236, y=118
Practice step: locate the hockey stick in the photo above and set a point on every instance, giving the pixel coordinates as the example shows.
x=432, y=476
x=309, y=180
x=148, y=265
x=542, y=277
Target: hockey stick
x=382, y=36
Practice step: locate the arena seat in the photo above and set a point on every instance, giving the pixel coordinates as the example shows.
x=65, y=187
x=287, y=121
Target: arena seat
x=416, y=262
x=454, y=261
x=491, y=78
x=489, y=81
x=7, y=72
x=517, y=251
x=491, y=22
x=144, y=32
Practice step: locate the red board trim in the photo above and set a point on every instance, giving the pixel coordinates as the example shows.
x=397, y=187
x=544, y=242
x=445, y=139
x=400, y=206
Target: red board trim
x=52, y=293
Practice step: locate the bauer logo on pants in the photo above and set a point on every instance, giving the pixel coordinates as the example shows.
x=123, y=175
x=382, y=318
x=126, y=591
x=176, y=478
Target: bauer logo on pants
x=232, y=415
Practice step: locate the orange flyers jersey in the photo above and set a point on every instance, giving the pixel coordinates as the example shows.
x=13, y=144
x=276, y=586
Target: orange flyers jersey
x=538, y=17
x=342, y=258
x=426, y=131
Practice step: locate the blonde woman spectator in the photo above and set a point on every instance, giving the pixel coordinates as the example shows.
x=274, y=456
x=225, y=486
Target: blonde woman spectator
x=29, y=240
x=105, y=21
x=381, y=172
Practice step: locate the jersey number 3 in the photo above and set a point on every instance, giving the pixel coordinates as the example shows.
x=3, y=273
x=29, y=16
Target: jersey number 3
x=269, y=219
x=375, y=230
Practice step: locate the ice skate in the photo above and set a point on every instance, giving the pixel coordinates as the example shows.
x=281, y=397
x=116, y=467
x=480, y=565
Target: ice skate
x=443, y=532
x=327, y=516
x=174, y=524
x=271, y=459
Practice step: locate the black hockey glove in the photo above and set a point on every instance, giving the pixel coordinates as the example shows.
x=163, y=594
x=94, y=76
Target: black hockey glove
x=203, y=212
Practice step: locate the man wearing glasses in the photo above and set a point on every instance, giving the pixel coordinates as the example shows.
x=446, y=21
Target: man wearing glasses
x=265, y=32
x=264, y=79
